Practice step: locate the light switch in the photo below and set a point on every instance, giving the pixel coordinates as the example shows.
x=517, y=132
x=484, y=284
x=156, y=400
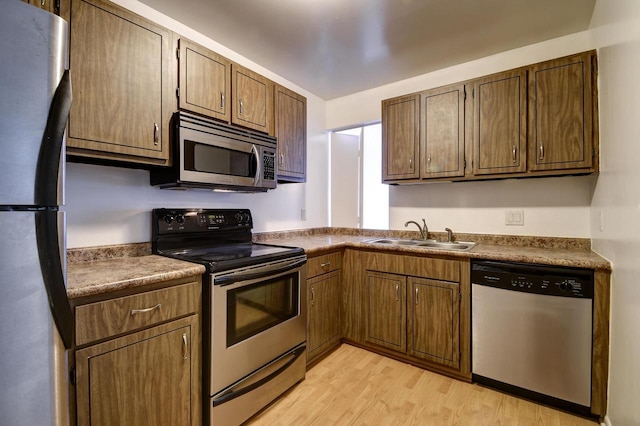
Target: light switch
x=514, y=217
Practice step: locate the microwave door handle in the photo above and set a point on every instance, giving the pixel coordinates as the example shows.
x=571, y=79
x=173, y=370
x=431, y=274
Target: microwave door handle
x=266, y=272
x=257, y=157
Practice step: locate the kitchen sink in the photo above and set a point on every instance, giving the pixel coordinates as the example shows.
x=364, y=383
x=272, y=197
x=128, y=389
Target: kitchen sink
x=432, y=244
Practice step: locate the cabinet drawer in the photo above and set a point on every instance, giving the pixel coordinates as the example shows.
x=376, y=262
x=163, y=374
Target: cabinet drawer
x=427, y=267
x=324, y=263
x=99, y=320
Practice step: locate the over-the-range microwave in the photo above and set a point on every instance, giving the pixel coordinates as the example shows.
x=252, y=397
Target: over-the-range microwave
x=212, y=155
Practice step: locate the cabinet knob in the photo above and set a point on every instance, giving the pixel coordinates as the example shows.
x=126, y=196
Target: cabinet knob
x=515, y=150
x=313, y=295
x=241, y=106
x=416, y=297
x=221, y=100
x=397, y=293
x=410, y=162
x=541, y=150
x=281, y=159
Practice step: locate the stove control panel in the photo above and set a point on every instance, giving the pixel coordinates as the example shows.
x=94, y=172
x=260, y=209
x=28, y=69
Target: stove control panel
x=185, y=221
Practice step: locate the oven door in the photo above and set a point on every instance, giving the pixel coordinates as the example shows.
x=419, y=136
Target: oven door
x=217, y=159
x=258, y=314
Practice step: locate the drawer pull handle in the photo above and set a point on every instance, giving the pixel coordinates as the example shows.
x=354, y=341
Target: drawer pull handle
x=397, y=293
x=221, y=100
x=156, y=133
x=416, y=295
x=142, y=311
x=313, y=296
x=325, y=265
x=185, y=346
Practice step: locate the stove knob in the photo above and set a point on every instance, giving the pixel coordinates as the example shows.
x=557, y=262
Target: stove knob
x=238, y=218
x=180, y=218
x=168, y=218
x=247, y=218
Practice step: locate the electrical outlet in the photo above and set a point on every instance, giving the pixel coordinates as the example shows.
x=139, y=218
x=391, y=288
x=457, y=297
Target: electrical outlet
x=303, y=214
x=514, y=217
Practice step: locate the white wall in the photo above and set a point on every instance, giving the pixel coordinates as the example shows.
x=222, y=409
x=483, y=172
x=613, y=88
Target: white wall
x=615, y=27
x=107, y=205
x=552, y=206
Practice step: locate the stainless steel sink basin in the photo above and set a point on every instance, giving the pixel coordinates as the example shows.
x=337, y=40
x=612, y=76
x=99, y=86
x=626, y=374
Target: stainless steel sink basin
x=455, y=245
x=432, y=244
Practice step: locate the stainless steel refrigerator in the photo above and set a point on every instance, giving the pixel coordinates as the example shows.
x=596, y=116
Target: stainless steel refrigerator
x=36, y=321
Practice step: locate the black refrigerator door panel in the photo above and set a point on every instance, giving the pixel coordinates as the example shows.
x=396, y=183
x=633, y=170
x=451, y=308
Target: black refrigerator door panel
x=33, y=43
x=30, y=351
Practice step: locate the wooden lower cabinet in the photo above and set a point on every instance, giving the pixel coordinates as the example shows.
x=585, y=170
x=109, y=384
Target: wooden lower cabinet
x=433, y=328
x=142, y=378
x=324, y=308
x=137, y=357
x=409, y=307
x=386, y=310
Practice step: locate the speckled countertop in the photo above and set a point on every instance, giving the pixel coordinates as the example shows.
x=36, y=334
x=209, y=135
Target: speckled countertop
x=89, y=278
x=548, y=251
x=98, y=270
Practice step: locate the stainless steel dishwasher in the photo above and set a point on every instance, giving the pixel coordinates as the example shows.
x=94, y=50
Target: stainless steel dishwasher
x=532, y=331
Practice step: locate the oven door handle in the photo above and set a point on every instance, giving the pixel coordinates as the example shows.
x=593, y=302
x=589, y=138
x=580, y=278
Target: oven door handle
x=266, y=272
x=235, y=393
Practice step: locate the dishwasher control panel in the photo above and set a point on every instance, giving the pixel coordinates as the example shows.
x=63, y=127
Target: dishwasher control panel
x=530, y=278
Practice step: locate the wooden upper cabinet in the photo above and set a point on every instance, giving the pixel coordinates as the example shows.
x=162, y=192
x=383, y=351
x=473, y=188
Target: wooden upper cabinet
x=434, y=321
x=290, y=127
x=561, y=109
x=121, y=74
x=204, y=81
x=443, y=132
x=500, y=123
x=252, y=99
x=401, y=138
x=386, y=310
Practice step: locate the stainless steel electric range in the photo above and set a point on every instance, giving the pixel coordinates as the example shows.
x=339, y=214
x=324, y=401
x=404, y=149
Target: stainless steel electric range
x=254, y=308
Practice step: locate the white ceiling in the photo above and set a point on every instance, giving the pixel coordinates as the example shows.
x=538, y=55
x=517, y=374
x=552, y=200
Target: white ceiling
x=334, y=48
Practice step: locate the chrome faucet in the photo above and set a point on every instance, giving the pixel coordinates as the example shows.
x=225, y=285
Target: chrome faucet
x=424, y=231
x=449, y=235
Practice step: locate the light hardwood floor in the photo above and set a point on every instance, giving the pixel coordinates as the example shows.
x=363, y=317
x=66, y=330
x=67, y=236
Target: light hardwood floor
x=353, y=386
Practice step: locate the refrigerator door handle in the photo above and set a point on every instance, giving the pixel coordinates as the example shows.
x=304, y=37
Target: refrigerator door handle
x=53, y=272
x=52, y=147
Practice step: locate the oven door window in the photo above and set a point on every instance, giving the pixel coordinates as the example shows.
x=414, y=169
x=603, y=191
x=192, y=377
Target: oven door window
x=219, y=160
x=258, y=307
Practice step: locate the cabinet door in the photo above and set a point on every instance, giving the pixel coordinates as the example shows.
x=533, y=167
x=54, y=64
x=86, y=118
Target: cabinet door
x=434, y=318
x=500, y=123
x=386, y=310
x=443, y=132
x=401, y=138
x=324, y=313
x=290, y=127
x=252, y=100
x=122, y=94
x=143, y=378
x=561, y=114
x=205, y=81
